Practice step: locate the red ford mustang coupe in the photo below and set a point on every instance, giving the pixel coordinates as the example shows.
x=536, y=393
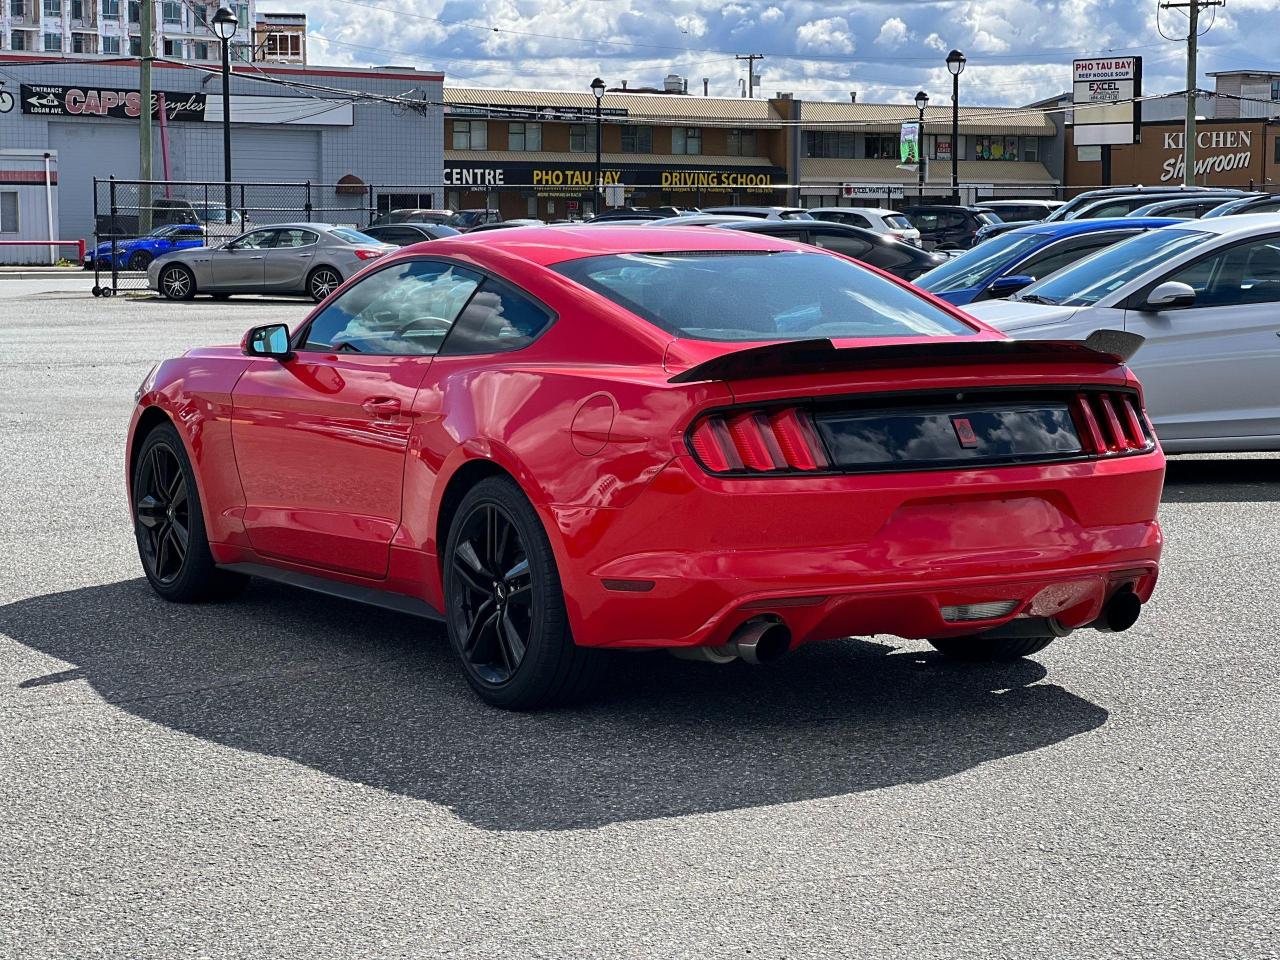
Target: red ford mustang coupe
x=566, y=439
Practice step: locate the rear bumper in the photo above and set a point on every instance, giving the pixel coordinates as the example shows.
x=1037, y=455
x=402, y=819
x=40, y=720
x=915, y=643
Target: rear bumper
x=693, y=558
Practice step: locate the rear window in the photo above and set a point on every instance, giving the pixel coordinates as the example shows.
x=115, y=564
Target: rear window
x=898, y=222
x=989, y=218
x=747, y=295
x=353, y=236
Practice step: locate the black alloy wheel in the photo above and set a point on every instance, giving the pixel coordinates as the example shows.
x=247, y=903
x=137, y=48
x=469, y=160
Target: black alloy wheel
x=169, y=524
x=177, y=283
x=322, y=282
x=140, y=261
x=163, y=513
x=494, y=603
x=505, y=606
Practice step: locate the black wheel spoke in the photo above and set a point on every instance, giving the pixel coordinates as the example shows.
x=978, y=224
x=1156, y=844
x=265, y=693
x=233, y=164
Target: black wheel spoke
x=471, y=557
x=512, y=643
x=485, y=617
x=150, y=511
x=162, y=513
x=475, y=582
x=176, y=489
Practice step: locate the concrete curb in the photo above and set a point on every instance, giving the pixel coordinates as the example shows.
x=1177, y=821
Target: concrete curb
x=38, y=274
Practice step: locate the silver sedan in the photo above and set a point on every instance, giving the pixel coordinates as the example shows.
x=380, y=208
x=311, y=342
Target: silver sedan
x=289, y=258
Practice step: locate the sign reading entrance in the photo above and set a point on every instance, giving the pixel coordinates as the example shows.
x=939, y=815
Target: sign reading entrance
x=59, y=101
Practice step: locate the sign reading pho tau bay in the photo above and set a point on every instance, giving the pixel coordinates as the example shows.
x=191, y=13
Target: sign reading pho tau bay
x=1104, y=93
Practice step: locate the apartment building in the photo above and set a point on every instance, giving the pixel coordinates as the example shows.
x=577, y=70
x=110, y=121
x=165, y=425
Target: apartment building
x=280, y=38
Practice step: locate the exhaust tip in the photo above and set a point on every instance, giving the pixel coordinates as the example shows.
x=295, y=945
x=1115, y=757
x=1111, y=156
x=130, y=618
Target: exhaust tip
x=761, y=641
x=1121, y=612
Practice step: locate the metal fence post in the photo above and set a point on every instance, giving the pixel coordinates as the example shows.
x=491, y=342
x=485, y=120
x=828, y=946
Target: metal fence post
x=115, y=268
x=371, y=209
x=307, y=207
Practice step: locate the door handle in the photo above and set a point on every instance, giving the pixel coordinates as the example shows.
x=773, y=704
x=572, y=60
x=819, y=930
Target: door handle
x=303, y=256
x=385, y=408
x=255, y=258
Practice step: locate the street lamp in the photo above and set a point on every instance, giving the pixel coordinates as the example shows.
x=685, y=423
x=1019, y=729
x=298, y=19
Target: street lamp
x=224, y=25
x=922, y=101
x=955, y=64
x=597, y=87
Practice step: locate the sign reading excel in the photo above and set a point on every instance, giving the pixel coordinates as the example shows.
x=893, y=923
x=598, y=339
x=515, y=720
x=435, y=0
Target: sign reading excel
x=1105, y=95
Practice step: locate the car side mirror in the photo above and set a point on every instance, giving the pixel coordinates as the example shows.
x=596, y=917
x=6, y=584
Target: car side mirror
x=1002, y=287
x=270, y=340
x=1169, y=294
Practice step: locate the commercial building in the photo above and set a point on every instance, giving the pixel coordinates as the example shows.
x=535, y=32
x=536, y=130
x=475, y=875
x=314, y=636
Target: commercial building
x=113, y=28
x=280, y=38
x=531, y=153
x=83, y=115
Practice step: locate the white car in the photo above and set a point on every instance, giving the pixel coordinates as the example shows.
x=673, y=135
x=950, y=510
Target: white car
x=1206, y=295
x=879, y=219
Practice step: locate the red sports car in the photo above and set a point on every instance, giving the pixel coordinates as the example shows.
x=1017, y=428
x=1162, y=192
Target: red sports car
x=566, y=439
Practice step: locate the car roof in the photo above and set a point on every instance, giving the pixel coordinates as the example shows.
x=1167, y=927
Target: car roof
x=1032, y=201
x=926, y=207
x=549, y=245
x=301, y=225
x=823, y=226
x=1068, y=228
x=879, y=211
x=1243, y=224
x=746, y=206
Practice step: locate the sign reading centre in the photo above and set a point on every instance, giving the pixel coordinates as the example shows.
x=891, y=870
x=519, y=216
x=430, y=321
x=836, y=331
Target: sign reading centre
x=578, y=178
x=1104, y=93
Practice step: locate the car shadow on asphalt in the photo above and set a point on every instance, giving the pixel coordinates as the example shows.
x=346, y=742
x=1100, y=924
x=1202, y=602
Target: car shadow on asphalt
x=375, y=698
x=1222, y=480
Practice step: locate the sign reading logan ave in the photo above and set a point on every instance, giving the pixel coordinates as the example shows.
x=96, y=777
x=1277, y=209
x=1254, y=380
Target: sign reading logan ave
x=60, y=101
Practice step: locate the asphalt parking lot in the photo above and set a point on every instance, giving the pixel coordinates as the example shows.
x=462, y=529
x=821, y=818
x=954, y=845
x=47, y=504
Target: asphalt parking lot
x=295, y=776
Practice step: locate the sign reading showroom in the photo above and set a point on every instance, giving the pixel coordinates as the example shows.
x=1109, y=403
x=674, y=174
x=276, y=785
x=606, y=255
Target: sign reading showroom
x=49, y=100
x=1218, y=152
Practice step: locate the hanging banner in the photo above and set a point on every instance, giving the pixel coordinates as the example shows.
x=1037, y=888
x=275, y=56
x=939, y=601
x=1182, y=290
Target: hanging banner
x=909, y=143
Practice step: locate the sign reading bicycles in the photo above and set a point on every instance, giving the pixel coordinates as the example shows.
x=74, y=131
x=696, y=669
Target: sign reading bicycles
x=59, y=101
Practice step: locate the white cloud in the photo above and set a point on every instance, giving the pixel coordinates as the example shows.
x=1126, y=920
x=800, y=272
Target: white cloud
x=828, y=35
x=771, y=15
x=893, y=32
x=935, y=42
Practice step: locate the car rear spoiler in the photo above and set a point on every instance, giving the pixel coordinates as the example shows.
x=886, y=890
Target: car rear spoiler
x=1105, y=347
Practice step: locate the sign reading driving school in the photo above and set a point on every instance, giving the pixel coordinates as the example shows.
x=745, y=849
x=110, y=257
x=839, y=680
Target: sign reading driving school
x=1104, y=94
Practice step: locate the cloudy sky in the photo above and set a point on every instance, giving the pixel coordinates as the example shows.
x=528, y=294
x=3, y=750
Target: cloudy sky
x=1019, y=50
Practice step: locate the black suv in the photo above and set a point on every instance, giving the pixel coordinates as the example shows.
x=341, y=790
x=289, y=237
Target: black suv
x=949, y=227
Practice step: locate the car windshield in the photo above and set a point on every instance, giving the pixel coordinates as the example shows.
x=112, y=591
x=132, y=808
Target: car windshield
x=353, y=236
x=742, y=295
x=466, y=218
x=987, y=217
x=898, y=222
x=973, y=267
x=1088, y=281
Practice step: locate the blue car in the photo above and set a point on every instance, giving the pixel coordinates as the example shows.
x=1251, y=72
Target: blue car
x=137, y=253
x=1006, y=263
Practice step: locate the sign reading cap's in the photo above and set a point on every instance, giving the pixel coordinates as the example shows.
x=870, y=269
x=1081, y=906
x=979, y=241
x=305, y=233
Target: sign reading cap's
x=1104, y=94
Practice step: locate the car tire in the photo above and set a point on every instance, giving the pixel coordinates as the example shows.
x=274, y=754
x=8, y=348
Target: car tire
x=140, y=261
x=978, y=648
x=322, y=281
x=504, y=604
x=177, y=282
x=168, y=524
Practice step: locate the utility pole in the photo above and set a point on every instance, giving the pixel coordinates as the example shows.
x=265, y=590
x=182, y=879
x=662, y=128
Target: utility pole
x=1192, y=8
x=146, y=27
x=751, y=59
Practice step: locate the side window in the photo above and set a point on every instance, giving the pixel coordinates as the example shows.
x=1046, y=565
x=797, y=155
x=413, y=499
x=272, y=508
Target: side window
x=295, y=238
x=856, y=220
x=948, y=221
x=258, y=240
x=1050, y=261
x=849, y=246
x=1246, y=273
x=402, y=310
x=496, y=320
x=797, y=236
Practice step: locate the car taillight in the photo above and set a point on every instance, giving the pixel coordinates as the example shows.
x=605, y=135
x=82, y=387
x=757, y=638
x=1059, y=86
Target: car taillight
x=366, y=254
x=1110, y=423
x=758, y=441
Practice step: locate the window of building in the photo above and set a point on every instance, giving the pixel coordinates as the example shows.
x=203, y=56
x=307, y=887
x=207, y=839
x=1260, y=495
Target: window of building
x=939, y=148
x=53, y=42
x=171, y=11
x=17, y=8
x=524, y=136
x=742, y=143
x=18, y=41
x=242, y=16
x=173, y=48
x=111, y=10
x=242, y=52
x=199, y=51
x=637, y=139
x=135, y=11
x=828, y=144
x=282, y=45
x=77, y=9
x=470, y=135
x=135, y=46
x=84, y=43
x=882, y=146
x=686, y=140
x=1031, y=149
x=52, y=8
x=582, y=138
x=110, y=44
x=995, y=148
x=9, y=211
x=1275, y=89
x=1276, y=147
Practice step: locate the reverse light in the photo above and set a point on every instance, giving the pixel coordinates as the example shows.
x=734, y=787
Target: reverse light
x=364, y=253
x=758, y=441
